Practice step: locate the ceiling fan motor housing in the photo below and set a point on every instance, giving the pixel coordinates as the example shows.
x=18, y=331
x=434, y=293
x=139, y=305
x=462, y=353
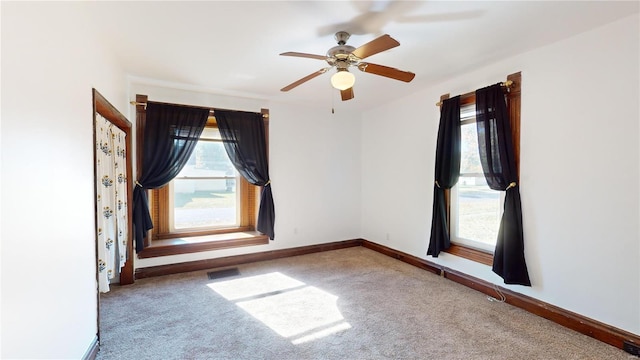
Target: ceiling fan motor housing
x=340, y=51
x=341, y=56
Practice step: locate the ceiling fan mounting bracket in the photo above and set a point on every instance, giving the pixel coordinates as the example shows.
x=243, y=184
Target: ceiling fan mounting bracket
x=342, y=37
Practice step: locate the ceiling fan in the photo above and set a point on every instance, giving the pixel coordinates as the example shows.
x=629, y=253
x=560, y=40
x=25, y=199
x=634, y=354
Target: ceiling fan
x=343, y=56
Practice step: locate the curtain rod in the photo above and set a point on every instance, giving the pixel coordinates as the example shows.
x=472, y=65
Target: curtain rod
x=211, y=111
x=506, y=84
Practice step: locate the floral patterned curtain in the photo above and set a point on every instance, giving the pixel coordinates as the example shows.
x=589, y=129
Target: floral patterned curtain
x=111, y=193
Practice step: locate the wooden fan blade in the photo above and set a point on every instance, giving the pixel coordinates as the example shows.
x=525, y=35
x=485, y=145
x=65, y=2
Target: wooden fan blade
x=386, y=71
x=304, y=55
x=304, y=79
x=384, y=42
x=347, y=94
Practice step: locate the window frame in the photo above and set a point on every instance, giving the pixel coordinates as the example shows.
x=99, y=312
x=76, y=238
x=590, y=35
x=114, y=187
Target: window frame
x=161, y=211
x=513, y=108
x=161, y=241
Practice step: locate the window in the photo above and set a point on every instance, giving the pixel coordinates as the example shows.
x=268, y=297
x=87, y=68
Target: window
x=208, y=206
x=207, y=197
x=476, y=210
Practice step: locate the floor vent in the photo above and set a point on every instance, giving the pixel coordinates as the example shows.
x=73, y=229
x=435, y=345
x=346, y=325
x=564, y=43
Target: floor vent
x=218, y=274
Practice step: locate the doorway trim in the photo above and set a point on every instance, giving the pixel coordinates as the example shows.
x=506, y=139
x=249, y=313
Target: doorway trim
x=104, y=108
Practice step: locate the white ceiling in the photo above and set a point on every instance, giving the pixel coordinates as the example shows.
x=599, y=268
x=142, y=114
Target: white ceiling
x=232, y=47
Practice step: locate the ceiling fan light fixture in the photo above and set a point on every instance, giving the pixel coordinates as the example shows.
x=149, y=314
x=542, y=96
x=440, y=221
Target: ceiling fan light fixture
x=343, y=80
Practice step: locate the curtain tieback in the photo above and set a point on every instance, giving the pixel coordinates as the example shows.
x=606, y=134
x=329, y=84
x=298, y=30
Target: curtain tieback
x=438, y=185
x=512, y=185
x=138, y=184
x=267, y=183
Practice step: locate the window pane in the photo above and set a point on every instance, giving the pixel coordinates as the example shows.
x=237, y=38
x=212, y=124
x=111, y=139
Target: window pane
x=478, y=210
x=204, y=203
x=470, y=158
x=209, y=158
x=478, y=207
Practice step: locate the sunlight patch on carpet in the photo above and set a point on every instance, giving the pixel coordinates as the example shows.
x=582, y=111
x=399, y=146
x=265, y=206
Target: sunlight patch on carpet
x=249, y=287
x=289, y=307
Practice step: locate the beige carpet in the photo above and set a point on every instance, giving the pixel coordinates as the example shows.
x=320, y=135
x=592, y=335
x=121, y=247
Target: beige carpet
x=345, y=304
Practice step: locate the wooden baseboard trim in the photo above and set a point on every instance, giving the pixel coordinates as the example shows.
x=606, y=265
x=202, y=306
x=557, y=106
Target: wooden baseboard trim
x=92, y=351
x=409, y=259
x=582, y=324
x=161, y=270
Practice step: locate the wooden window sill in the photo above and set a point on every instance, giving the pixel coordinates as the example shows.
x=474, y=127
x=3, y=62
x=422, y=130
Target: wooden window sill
x=192, y=244
x=471, y=254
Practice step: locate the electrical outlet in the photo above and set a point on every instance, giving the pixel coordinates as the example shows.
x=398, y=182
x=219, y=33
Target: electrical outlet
x=631, y=348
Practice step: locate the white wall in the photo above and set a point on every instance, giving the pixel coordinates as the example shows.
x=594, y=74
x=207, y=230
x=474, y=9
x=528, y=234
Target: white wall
x=314, y=167
x=50, y=63
x=579, y=171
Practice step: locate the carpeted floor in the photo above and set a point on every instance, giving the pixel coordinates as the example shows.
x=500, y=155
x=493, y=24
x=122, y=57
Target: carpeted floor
x=345, y=304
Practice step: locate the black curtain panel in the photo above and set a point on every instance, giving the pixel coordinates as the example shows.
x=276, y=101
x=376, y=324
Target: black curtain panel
x=499, y=165
x=447, y=172
x=244, y=139
x=171, y=132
